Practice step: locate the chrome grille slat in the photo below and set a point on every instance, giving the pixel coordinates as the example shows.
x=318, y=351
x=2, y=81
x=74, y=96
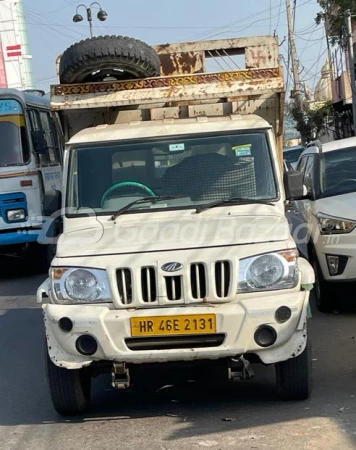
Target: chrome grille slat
x=124, y=285
x=148, y=281
x=198, y=281
x=148, y=284
x=223, y=277
x=174, y=288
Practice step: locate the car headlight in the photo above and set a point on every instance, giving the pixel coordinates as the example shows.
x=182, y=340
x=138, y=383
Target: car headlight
x=334, y=225
x=77, y=285
x=270, y=271
x=16, y=215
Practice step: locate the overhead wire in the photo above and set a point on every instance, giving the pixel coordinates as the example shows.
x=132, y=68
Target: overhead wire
x=279, y=16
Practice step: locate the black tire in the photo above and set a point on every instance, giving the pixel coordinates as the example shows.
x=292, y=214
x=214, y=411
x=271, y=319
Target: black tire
x=323, y=291
x=69, y=389
x=103, y=57
x=294, y=376
x=40, y=256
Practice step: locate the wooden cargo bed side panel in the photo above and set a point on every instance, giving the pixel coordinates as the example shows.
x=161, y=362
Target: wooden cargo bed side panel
x=261, y=52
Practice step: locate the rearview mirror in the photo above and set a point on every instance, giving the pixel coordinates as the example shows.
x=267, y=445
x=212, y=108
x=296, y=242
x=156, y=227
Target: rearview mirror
x=52, y=202
x=293, y=185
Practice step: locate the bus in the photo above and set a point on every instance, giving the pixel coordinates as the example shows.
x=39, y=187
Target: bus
x=31, y=153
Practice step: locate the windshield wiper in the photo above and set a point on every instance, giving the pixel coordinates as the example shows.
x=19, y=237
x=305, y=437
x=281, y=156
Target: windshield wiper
x=151, y=199
x=236, y=200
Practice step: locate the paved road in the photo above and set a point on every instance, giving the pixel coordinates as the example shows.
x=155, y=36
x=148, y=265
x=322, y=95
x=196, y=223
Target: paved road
x=178, y=418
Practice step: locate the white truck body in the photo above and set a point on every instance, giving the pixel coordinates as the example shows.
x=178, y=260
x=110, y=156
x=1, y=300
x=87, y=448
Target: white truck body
x=178, y=267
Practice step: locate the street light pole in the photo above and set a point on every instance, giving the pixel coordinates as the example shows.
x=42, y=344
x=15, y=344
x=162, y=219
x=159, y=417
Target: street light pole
x=90, y=20
x=352, y=64
x=102, y=15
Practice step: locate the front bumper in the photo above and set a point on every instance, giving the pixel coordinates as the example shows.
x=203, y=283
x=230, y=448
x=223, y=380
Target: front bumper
x=238, y=321
x=338, y=245
x=17, y=237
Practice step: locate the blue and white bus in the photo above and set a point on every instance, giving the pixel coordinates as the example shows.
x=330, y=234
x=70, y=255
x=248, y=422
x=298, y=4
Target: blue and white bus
x=30, y=165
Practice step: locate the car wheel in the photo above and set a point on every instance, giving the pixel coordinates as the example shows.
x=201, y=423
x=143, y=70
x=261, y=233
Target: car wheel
x=69, y=389
x=294, y=376
x=324, y=291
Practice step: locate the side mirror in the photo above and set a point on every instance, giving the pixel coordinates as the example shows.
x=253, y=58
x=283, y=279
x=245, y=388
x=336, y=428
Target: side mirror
x=52, y=202
x=293, y=185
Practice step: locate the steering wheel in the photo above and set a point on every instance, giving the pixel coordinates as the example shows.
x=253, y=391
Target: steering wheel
x=118, y=186
x=347, y=180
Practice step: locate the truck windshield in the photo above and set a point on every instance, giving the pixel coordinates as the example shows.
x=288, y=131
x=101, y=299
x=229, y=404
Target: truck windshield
x=338, y=172
x=179, y=172
x=13, y=141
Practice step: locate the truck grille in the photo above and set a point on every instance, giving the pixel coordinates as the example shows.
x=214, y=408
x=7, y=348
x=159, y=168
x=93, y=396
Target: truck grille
x=198, y=281
x=124, y=285
x=149, y=286
x=222, y=278
x=174, y=287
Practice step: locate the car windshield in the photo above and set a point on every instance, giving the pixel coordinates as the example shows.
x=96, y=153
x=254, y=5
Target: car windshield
x=178, y=172
x=13, y=142
x=338, y=172
x=292, y=155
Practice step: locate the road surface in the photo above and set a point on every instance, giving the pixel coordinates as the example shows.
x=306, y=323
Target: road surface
x=247, y=415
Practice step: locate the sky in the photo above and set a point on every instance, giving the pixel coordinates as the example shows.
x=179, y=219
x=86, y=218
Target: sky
x=51, y=29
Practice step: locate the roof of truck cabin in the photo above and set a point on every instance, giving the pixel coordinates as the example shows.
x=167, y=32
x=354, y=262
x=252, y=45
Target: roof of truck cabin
x=27, y=97
x=146, y=129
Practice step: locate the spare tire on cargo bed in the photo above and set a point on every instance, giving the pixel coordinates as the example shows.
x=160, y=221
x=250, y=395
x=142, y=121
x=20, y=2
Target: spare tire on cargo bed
x=105, y=58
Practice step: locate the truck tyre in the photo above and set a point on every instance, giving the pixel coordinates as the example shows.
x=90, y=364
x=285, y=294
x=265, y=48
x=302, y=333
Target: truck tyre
x=69, y=389
x=294, y=376
x=323, y=291
x=108, y=58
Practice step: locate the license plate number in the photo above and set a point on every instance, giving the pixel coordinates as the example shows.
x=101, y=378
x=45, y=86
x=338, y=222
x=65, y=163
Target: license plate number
x=173, y=325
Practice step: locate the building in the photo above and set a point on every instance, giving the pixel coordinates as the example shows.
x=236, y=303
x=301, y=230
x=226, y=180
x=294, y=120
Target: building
x=15, y=57
x=341, y=83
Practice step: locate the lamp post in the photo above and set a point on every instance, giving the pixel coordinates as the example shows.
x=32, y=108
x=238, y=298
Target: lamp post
x=102, y=15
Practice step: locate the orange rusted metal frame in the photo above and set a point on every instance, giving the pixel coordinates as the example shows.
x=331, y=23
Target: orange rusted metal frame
x=173, y=81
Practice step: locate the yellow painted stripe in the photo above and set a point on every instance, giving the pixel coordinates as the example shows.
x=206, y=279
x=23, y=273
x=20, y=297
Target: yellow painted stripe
x=17, y=119
x=17, y=174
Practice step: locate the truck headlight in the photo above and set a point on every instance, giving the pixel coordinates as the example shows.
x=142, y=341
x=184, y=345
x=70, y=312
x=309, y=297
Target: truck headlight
x=16, y=215
x=270, y=271
x=334, y=225
x=78, y=285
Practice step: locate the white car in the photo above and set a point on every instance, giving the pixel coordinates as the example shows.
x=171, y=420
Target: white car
x=329, y=174
x=292, y=154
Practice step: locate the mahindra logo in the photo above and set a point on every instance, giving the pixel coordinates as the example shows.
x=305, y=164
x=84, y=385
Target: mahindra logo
x=172, y=267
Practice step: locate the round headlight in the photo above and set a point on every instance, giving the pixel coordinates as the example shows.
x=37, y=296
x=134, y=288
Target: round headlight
x=82, y=285
x=265, y=271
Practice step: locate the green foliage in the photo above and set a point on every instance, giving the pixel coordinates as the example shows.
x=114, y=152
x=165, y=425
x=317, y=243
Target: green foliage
x=333, y=11
x=310, y=123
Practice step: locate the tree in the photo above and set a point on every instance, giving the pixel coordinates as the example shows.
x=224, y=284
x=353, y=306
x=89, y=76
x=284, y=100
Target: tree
x=332, y=13
x=311, y=122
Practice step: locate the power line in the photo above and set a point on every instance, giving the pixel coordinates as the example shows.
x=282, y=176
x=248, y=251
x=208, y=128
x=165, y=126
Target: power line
x=279, y=15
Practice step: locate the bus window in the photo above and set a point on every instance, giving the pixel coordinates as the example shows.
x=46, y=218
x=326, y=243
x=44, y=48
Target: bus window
x=13, y=143
x=36, y=126
x=50, y=136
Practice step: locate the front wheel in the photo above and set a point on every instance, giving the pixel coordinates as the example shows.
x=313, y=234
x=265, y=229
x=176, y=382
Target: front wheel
x=69, y=389
x=324, y=292
x=294, y=376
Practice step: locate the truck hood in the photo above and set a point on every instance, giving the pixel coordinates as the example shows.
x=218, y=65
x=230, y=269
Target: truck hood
x=152, y=234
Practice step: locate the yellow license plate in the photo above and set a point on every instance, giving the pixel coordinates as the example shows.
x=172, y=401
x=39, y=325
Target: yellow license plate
x=173, y=325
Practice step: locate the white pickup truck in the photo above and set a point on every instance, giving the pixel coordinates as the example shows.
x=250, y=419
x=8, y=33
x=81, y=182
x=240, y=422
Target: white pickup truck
x=175, y=246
